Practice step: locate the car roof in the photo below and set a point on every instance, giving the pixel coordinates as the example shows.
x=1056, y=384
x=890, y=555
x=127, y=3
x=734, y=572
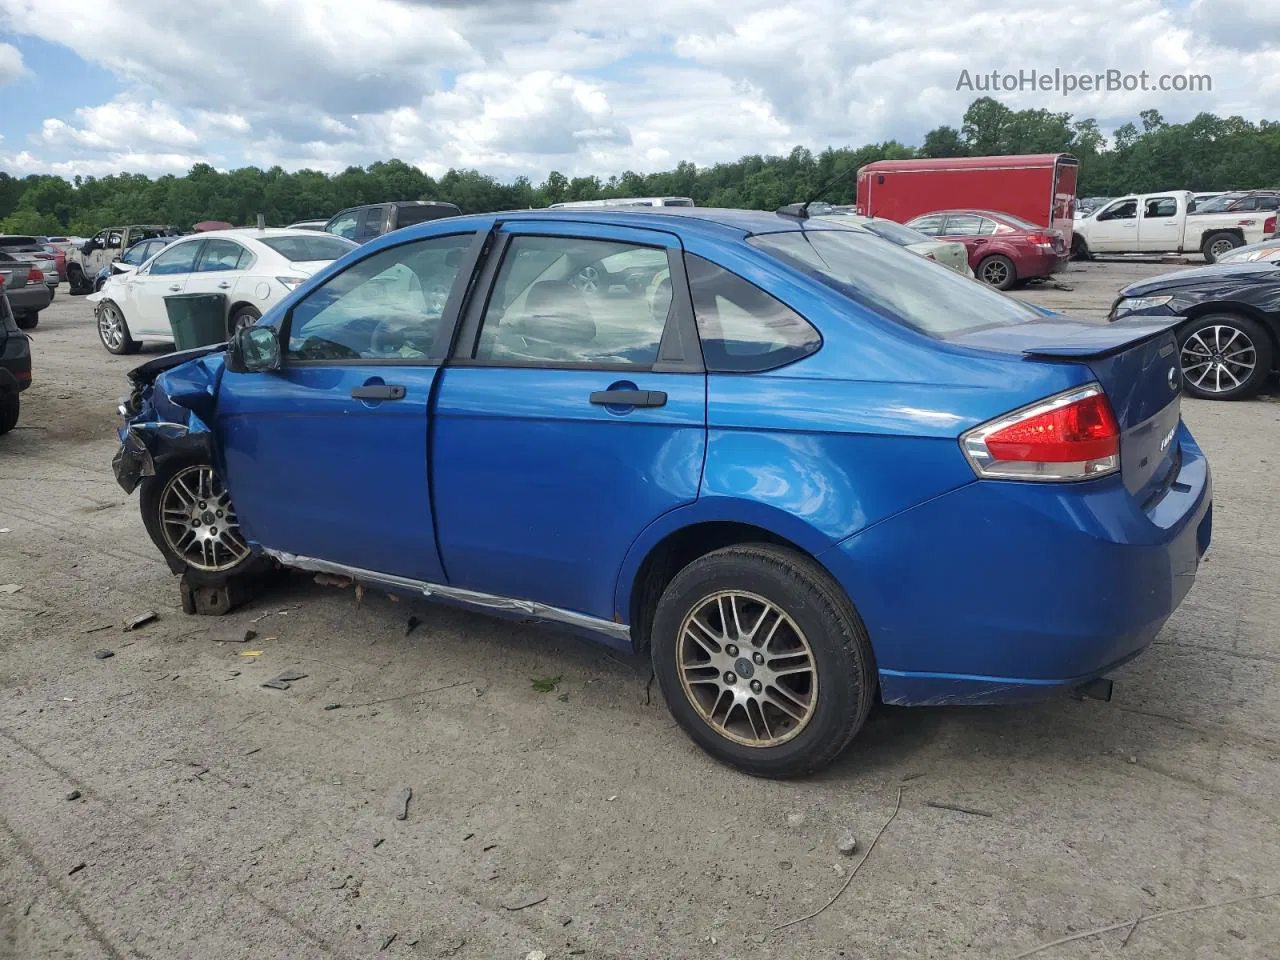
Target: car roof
x=706, y=219
x=993, y=214
x=251, y=233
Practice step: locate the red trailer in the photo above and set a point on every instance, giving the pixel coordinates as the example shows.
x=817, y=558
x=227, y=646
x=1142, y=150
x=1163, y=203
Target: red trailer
x=1037, y=187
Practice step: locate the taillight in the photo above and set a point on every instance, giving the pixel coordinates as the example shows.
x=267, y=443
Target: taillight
x=1041, y=238
x=35, y=276
x=1269, y=225
x=1073, y=436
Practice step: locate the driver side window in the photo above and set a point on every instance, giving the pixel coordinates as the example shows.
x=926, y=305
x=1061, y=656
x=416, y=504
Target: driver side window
x=386, y=307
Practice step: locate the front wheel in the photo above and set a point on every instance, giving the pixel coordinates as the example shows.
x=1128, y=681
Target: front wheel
x=76, y=279
x=113, y=330
x=189, y=515
x=10, y=405
x=1224, y=356
x=998, y=272
x=762, y=660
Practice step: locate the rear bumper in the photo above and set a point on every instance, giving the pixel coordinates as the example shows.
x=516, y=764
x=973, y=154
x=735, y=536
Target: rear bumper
x=34, y=296
x=1041, y=265
x=15, y=363
x=1003, y=592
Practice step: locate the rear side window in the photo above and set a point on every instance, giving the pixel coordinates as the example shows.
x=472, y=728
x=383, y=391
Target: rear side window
x=220, y=254
x=742, y=328
x=894, y=283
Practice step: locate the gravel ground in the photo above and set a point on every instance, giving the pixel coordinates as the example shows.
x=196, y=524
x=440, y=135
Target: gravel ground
x=215, y=818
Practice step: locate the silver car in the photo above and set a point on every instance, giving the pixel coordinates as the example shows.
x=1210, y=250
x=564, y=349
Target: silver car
x=953, y=256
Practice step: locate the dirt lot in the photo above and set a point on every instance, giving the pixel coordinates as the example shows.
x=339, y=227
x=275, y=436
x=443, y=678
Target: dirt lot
x=219, y=819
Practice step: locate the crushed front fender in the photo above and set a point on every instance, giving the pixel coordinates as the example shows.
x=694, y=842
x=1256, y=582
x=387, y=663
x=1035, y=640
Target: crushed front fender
x=141, y=443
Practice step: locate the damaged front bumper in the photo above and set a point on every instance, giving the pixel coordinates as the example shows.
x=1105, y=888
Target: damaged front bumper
x=141, y=443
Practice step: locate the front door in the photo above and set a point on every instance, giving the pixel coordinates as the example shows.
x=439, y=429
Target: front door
x=327, y=458
x=572, y=415
x=1115, y=229
x=1159, y=226
x=144, y=308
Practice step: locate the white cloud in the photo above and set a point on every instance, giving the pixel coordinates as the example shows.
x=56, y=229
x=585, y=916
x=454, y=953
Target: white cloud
x=10, y=63
x=601, y=86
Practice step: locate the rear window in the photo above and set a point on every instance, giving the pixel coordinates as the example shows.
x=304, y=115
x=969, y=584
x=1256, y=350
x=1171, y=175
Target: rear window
x=1019, y=222
x=319, y=247
x=894, y=283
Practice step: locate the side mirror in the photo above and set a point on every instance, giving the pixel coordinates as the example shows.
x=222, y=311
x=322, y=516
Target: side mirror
x=254, y=350
x=89, y=246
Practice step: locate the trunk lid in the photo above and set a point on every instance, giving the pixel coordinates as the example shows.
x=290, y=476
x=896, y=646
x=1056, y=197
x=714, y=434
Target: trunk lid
x=1136, y=362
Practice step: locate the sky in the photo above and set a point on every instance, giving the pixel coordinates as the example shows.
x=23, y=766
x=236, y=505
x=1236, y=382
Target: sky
x=523, y=87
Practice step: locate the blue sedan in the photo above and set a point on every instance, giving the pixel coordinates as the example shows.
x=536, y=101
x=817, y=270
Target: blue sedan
x=800, y=466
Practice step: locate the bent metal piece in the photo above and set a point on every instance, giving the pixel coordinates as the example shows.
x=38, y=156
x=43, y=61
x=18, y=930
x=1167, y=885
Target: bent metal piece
x=616, y=631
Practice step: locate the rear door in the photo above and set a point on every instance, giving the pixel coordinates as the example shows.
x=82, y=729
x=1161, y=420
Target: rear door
x=327, y=458
x=572, y=415
x=221, y=265
x=1159, y=226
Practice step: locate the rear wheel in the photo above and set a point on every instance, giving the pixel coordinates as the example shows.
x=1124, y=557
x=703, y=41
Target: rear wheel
x=1218, y=245
x=189, y=516
x=1224, y=356
x=113, y=331
x=244, y=317
x=9, y=407
x=998, y=272
x=27, y=320
x=762, y=660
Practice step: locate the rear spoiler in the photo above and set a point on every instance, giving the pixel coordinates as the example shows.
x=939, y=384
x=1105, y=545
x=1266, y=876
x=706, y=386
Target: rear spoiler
x=1092, y=340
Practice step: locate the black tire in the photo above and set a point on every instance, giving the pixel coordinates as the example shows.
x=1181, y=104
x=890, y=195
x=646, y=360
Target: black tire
x=27, y=319
x=98, y=284
x=9, y=408
x=1080, y=248
x=78, y=283
x=841, y=655
x=150, y=494
x=106, y=316
x=997, y=271
x=1214, y=351
x=1218, y=245
x=243, y=317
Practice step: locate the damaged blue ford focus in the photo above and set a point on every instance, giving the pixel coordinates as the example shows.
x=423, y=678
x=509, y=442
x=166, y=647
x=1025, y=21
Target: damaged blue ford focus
x=801, y=467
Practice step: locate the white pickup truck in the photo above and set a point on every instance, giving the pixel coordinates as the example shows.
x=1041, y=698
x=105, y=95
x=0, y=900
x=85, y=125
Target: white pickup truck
x=1160, y=223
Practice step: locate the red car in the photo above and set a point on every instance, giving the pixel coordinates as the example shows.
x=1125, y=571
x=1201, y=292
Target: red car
x=1003, y=249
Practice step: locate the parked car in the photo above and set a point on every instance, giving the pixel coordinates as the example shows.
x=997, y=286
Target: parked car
x=1162, y=223
x=951, y=254
x=1227, y=343
x=309, y=225
x=1237, y=201
x=1262, y=250
x=24, y=285
x=1039, y=189
x=15, y=362
x=806, y=435
x=86, y=261
x=1086, y=206
x=131, y=259
x=1003, y=249
x=254, y=268
x=35, y=250
x=363, y=224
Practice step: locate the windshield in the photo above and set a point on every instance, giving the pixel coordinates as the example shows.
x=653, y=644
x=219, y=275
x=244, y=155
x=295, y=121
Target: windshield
x=894, y=232
x=894, y=283
x=318, y=247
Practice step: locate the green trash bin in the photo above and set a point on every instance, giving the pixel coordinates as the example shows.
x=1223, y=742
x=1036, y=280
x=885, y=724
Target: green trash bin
x=197, y=319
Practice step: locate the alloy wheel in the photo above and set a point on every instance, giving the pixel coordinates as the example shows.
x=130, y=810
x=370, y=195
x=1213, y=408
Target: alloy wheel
x=1218, y=359
x=587, y=280
x=995, y=273
x=111, y=327
x=747, y=669
x=199, y=522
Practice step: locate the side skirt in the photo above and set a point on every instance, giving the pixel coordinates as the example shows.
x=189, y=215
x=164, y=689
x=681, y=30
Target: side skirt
x=618, y=634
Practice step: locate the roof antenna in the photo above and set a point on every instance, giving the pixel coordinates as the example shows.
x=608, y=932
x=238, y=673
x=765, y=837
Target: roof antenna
x=801, y=210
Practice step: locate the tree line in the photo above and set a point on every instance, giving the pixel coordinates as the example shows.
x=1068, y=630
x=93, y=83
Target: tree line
x=1206, y=153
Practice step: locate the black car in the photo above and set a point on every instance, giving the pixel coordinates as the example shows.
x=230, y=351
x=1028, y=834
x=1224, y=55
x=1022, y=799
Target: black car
x=15, y=365
x=1229, y=343
x=362, y=224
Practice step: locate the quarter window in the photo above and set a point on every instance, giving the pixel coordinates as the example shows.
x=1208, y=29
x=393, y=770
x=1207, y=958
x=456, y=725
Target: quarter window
x=742, y=328
x=562, y=300
x=222, y=254
x=179, y=258
x=386, y=307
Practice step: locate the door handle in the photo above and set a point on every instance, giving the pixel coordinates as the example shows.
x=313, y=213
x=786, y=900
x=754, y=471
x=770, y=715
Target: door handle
x=224, y=285
x=378, y=391
x=175, y=288
x=629, y=398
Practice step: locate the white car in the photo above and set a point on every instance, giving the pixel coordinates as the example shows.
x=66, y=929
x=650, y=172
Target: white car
x=255, y=269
